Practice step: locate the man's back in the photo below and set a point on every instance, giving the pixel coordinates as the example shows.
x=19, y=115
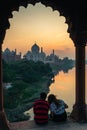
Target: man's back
x=41, y=108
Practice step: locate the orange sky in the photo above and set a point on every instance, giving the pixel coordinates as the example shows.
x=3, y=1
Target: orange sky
x=41, y=24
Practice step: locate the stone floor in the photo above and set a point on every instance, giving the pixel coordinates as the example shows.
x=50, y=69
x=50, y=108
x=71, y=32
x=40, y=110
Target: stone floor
x=30, y=125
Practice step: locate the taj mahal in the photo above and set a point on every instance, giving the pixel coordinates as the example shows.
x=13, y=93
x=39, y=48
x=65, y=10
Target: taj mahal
x=37, y=54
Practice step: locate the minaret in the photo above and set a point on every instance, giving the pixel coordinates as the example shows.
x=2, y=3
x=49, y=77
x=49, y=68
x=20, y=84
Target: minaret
x=15, y=51
x=53, y=51
x=41, y=49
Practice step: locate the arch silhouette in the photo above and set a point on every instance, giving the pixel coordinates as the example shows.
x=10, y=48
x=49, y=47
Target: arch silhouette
x=75, y=15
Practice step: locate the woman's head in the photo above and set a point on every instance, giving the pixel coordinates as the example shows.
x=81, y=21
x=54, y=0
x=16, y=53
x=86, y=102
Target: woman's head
x=51, y=98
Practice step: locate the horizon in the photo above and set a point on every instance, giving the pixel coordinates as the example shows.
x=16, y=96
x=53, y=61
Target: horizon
x=39, y=51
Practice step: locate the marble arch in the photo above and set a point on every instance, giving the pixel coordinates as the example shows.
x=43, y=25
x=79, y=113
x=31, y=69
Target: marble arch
x=76, y=18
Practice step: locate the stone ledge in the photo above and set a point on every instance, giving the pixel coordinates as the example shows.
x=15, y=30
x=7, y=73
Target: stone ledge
x=30, y=125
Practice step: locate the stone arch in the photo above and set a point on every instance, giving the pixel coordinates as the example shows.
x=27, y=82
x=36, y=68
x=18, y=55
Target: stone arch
x=14, y=6
x=77, y=28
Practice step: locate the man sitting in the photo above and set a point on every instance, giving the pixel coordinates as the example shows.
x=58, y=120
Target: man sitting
x=41, y=108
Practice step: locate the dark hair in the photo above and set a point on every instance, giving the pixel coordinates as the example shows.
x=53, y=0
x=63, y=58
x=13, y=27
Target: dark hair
x=52, y=98
x=43, y=95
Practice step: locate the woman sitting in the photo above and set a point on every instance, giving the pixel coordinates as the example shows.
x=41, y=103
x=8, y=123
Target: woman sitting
x=57, y=109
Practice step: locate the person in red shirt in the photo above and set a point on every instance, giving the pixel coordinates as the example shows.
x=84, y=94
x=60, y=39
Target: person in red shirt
x=40, y=109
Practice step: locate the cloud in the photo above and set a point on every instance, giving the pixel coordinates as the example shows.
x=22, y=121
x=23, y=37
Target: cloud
x=66, y=52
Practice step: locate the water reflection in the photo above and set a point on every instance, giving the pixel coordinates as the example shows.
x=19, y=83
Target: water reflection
x=64, y=88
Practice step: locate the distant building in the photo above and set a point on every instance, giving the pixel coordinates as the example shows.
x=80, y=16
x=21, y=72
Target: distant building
x=52, y=58
x=8, y=55
x=37, y=54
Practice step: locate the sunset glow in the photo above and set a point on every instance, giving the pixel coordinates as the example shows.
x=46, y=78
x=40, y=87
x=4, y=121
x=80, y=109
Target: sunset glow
x=41, y=24
x=64, y=87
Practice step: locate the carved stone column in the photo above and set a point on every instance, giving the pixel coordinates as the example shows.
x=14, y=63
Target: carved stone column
x=79, y=109
x=3, y=120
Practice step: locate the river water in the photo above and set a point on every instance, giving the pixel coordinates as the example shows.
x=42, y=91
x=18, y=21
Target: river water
x=64, y=88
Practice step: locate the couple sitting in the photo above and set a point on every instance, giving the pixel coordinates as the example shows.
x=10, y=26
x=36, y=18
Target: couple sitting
x=55, y=106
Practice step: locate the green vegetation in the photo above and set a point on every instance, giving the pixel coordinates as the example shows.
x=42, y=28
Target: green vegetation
x=28, y=71
x=28, y=79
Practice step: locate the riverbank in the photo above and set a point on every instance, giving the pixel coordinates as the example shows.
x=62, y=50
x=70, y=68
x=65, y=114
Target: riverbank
x=17, y=114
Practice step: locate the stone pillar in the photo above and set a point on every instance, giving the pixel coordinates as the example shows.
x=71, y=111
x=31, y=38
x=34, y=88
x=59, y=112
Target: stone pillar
x=3, y=120
x=79, y=109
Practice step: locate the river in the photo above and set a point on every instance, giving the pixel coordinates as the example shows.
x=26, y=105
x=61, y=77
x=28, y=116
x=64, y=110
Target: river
x=64, y=88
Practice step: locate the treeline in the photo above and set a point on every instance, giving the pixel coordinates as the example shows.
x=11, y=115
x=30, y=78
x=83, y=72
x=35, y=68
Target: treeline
x=64, y=64
x=27, y=71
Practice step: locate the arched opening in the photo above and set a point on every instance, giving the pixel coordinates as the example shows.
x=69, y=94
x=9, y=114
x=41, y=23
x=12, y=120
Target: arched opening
x=52, y=21
x=43, y=25
x=77, y=29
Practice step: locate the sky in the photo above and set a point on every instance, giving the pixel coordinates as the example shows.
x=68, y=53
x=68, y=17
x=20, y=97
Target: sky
x=42, y=25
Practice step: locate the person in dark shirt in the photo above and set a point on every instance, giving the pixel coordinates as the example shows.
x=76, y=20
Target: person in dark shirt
x=40, y=109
